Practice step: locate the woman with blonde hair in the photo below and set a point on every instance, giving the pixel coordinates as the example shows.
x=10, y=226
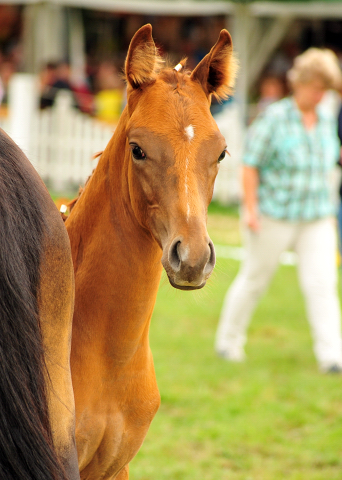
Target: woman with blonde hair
x=290, y=151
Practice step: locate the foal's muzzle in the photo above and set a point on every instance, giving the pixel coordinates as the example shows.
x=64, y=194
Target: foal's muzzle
x=189, y=264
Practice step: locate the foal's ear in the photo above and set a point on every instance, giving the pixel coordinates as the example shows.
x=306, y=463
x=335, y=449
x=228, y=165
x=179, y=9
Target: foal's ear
x=217, y=71
x=143, y=61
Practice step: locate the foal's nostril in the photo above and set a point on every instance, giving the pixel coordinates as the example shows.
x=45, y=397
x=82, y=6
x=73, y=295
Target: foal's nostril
x=174, y=257
x=212, y=259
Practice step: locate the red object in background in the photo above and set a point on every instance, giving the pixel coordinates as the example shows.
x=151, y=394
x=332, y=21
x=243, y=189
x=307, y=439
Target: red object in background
x=84, y=98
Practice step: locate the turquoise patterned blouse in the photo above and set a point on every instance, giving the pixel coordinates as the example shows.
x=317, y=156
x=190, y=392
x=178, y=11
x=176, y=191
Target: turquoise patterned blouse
x=294, y=164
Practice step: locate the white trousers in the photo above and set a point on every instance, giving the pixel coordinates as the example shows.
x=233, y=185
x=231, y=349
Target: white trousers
x=315, y=244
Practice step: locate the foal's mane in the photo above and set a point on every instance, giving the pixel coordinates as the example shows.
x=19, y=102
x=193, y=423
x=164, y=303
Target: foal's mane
x=26, y=449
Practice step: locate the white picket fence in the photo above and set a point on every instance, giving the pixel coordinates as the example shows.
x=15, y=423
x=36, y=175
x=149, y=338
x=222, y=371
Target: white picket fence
x=63, y=142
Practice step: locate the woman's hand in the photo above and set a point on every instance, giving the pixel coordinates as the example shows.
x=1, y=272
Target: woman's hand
x=252, y=221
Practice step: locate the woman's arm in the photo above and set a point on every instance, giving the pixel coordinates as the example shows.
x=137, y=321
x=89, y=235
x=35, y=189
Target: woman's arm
x=250, y=183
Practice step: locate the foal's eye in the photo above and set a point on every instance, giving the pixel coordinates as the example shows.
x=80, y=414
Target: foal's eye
x=137, y=153
x=221, y=157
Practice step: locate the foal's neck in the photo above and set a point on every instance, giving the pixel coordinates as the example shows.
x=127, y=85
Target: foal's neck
x=112, y=253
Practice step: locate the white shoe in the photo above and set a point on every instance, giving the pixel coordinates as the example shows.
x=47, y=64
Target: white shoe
x=232, y=355
x=335, y=368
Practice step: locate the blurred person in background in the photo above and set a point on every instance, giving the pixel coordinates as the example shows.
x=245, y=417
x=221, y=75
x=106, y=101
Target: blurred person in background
x=47, y=77
x=53, y=78
x=110, y=88
x=2, y=92
x=339, y=213
x=7, y=69
x=291, y=149
x=271, y=90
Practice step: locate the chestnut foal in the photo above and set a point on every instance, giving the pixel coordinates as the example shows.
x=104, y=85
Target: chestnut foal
x=144, y=207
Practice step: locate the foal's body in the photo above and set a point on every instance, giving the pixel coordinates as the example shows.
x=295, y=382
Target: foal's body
x=144, y=207
x=115, y=386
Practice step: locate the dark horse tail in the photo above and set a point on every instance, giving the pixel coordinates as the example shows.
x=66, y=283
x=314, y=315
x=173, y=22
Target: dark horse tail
x=26, y=446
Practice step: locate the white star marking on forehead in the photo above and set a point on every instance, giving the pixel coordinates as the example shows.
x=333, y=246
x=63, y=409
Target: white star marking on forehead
x=190, y=132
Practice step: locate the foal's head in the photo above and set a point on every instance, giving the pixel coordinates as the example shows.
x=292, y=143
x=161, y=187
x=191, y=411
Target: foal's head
x=175, y=150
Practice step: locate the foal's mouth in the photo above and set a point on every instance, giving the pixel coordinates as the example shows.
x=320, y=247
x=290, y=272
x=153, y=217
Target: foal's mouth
x=186, y=287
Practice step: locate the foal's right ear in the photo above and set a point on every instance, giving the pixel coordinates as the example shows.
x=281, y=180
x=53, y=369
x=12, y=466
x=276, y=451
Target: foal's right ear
x=143, y=61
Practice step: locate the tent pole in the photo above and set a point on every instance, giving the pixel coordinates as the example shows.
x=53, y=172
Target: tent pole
x=43, y=38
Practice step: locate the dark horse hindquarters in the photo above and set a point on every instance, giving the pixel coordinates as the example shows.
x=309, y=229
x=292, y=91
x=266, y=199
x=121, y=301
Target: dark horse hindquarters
x=36, y=302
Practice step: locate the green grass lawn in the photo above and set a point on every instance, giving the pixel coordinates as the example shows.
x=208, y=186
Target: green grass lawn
x=273, y=417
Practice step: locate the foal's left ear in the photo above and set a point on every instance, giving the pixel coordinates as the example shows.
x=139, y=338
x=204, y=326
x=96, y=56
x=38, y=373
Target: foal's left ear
x=143, y=61
x=217, y=71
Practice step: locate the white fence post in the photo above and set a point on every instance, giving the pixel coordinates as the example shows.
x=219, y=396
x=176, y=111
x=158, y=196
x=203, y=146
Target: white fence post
x=23, y=102
x=62, y=134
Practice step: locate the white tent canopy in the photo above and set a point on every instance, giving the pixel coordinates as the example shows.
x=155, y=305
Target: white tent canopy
x=151, y=7
x=301, y=9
